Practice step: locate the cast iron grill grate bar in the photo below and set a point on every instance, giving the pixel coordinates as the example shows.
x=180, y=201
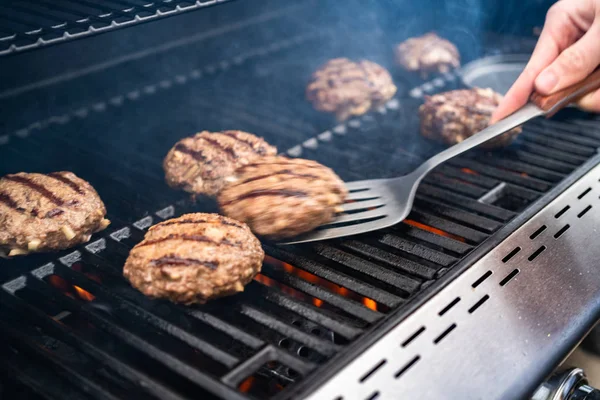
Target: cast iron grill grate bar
x=471, y=220
x=456, y=185
x=28, y=25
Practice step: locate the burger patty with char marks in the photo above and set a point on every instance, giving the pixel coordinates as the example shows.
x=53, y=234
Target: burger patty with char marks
x=453, y=116
x=45, y=212
x=348, y=88
x=427, y=53
x=280, y=197
x=201, y=163
x=194, y=258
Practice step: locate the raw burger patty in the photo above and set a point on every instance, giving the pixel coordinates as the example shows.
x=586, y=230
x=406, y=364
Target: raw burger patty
x=280, y=197
x=349, y=88
x=47, y=212
x=194, y=258
x=427, y=53
x=451, y=117
x=201, y=163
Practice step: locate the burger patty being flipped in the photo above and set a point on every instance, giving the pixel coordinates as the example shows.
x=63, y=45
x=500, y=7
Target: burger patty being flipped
x=348, y=88
x=201, y=163
x=427, y=53
x=194, y=258
x=45, y=212
x=453, y=116
x=280, y=197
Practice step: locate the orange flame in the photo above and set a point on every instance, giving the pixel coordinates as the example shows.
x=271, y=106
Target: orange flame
x=68, y=289
x=433, y=230
x=309, y=277
x=469, y=171
x=59, y=283
x=246, y=384
x=84, y=294
x=370, y=304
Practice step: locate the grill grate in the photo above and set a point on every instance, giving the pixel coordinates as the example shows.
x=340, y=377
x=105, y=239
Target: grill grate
x=26, y=25
x=97, y=337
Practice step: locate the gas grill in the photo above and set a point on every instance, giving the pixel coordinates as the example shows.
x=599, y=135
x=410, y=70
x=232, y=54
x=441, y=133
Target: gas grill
x=480, y=293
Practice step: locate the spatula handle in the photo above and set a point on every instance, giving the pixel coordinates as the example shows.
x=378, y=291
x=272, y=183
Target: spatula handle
x=553, y=103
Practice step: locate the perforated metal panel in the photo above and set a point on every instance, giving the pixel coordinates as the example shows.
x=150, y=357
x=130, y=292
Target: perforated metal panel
x=497, y=322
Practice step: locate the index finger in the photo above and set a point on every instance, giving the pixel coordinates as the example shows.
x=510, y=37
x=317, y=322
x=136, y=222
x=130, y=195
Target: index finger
x=558, y=34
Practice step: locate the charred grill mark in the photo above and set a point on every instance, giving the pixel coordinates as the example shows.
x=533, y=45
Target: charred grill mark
x=59, y=177
x=173, y=259
x=267, y=192
x=37, y=187
x=287, y=161
x=282, y=172
x=10, y=202
x=227, y=150
x=192, y=238
x=196, y=221
x=196, y=154
x=260, y=149
x=53, y=213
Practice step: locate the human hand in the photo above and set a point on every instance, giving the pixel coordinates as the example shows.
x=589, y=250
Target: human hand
x=567, y=51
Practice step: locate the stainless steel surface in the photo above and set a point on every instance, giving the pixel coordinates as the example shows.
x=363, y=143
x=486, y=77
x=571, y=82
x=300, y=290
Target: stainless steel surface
x=394, y=197
x=495, y=72
x=485, y=335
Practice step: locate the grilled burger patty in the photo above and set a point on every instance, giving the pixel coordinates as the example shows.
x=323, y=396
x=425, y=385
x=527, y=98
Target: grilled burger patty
x=47, y=212
x=194, y=258
x=427, y=53
x=280, y=197
x=453, y=116
x=199, y=164
x=348, y=88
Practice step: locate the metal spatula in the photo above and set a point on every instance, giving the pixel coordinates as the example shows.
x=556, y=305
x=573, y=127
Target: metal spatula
x=380, y=203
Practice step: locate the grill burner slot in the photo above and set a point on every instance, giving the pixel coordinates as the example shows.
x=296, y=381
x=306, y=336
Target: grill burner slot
x=406, y=367
x=584, y=211
x=478, y=304
x=442, y=335
x=373, y=370
x=536, y=253
x=511, y=254
x=586, y=191
x=481, y=279
x=561, y=231
x=509, y=277
x=449, y=306
x=538, y=232
x=561, y=212
x=413, y=336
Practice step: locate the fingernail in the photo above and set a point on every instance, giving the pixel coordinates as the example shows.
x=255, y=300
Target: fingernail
x=546, y=81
